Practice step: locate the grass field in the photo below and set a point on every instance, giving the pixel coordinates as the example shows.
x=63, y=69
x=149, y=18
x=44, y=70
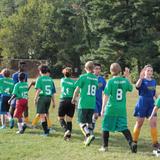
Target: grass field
x=32, y=146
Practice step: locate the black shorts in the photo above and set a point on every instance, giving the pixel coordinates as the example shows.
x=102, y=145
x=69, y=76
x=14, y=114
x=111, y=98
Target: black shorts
x=4, y=106
x=66, y=108
x=43, y=104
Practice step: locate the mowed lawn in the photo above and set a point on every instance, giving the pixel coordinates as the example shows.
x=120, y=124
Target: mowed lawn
x=32, y=146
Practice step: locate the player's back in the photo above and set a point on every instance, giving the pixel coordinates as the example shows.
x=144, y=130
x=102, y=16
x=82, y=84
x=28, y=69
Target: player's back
x=116, y=90
x=88, y=84
x=67, y=87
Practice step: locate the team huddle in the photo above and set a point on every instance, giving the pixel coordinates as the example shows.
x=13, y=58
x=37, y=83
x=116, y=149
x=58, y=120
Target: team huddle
x=92, y=96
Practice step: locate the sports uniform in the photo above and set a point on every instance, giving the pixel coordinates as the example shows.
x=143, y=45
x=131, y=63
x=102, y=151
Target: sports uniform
x=145, y=103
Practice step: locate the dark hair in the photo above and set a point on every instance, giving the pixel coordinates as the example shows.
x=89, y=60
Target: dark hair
x=44, y=69
x=21, y=76
x=67, y=72
x=97, y=64
x=6, y=72
x=21, y=63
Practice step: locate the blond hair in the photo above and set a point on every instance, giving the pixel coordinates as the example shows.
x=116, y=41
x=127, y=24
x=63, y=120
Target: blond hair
x=115, y=69
x=89, y=66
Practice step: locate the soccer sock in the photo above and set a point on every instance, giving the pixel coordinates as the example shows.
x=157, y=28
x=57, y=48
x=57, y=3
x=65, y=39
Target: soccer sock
x=154, y=135
x=90, y=127
x=85, y=130
x=105, y=137
x=45, y=127
x=20, y=127
x=49, y=122
x=128, y=136
x=63, y=124
x=136, y=133
x=3, y=121
x=26, y=120
x=36, y=120
x=69, y=126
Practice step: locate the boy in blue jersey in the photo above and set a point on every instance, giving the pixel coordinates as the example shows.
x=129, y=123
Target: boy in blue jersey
x=145, y=104
x=22, y=68
x=99, y=92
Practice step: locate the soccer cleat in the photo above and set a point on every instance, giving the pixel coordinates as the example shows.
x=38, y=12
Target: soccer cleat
x=24, y=127
x=156, y=152
x=11, y=123
x=89, y=140
x=133, y=147
x=103, y=149
x=3, y=127
x=45, y=134
x=67, y=134
x=20, y=132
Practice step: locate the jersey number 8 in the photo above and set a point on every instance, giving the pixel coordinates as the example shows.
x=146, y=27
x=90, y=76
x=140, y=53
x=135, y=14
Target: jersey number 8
x=119, y=94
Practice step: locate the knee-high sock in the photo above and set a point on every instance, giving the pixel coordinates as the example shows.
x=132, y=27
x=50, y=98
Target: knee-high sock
x=136, y=133
x=105, y=137
x=154, y=135
x=128, y=136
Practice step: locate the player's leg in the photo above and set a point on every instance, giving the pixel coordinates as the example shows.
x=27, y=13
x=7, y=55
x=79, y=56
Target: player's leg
x=137, y=129
x=44, y=124
x=35, y=120
x=70, y=109
x=154, y=132
x=3, y=121
x=11, y=113
x=105, y=138
x=48, y=121
x=61, y=115
x=26, y=115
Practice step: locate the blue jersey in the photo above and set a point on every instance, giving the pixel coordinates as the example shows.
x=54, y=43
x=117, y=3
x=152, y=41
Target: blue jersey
x=99, y=91
x=145, y=103
x=15, y=77
x=1, y=76
x=147, y=88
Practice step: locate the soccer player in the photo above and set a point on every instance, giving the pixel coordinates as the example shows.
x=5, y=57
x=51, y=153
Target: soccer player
x=22, y=68
x=114, y=106
x=99, y=91
x=44, y=94
x=6, y=88
x=146, y=86
x=37, y=117
x=86, y=85
x=20, y=92
x=66, y=108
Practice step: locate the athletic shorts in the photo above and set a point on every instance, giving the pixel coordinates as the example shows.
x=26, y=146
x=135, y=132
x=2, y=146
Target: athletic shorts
x=4, y=106
x=144, y=107
x=98, y=108
x=66, y=108
x=13, y=103
x=113, y=124
x=85, y=115
x=21, y=105
x=43, y=104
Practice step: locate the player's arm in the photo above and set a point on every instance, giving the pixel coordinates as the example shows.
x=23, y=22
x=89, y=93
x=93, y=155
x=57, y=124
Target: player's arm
x=53, y=101
x=37, y=95
x=13, y=96
x=75, y=95
x=105, y=99
x=31, y=84
x=139, y=82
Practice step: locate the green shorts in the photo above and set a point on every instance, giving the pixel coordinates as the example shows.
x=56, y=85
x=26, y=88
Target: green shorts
x=43, y=104
x=85, y=115
x=113, y=124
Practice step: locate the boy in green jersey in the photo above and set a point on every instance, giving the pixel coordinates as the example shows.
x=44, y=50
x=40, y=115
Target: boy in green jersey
x=44, y=94
x=20, y=92
x=6, y=88
x=114, y=106
x=86, y=85
x=66, y=108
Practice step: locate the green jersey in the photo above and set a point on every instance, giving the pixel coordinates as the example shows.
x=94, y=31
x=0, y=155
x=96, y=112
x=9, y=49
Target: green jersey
x=157, y=102
x=88, y=83
x=21, y=90
x=6, y=86
x=67, y=88
x=46, y=85
x=116, y=91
